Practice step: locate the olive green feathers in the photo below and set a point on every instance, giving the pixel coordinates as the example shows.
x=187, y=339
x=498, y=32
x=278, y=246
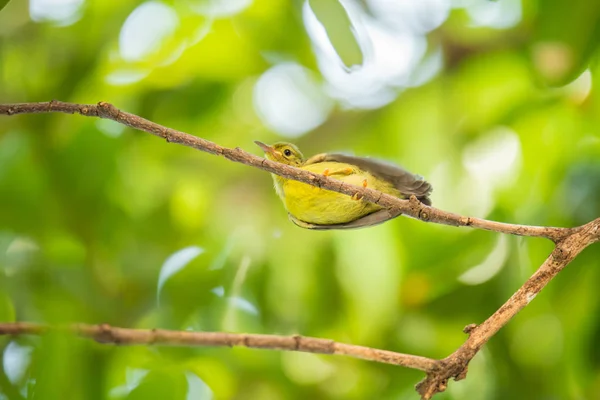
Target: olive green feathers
x=314, y=208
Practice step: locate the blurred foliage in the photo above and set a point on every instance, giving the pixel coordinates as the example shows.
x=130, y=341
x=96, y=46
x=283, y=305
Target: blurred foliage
x=92, y=213
x=3, y=3
x=338, y=25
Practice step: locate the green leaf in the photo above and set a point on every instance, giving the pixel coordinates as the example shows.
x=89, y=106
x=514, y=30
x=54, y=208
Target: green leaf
x=175, y=263
x=567, y=36
x=3, y=4
x=339, y=29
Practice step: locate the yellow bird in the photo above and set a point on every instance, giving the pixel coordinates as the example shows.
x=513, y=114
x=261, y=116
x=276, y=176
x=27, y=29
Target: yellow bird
x=314, y=208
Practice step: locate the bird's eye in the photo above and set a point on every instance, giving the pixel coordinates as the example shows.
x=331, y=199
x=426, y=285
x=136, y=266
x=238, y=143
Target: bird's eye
x=287, y=152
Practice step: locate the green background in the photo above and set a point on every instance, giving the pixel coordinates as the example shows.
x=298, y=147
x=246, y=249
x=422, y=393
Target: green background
x=507, y=129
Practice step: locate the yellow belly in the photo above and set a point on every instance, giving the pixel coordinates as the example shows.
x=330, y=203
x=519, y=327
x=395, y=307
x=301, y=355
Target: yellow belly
x=324, y=207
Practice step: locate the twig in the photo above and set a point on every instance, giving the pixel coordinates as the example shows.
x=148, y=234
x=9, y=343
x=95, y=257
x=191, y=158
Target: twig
x=122, y=336
x=569, y=243
x=414, y=208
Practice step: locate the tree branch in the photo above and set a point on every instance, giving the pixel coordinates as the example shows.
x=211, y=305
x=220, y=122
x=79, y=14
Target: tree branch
x=455, y=365
x=122, y=336
x=397, y=206
x=569, y=243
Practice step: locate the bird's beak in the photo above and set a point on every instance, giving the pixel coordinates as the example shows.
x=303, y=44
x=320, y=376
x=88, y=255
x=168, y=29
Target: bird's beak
x=266, y=148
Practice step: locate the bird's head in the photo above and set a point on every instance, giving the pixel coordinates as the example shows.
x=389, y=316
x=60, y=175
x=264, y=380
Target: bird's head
x=285, y=153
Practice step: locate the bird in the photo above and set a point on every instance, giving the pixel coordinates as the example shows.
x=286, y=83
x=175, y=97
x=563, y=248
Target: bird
x=311, y=207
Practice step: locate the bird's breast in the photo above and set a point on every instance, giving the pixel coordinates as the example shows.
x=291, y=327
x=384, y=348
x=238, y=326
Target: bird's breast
x=325, y=207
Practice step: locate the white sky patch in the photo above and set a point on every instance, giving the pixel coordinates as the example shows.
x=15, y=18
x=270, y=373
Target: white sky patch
x=427, y=69
x=21, y=245
x=501, y=14
x=460, y=192
x=197, y=388
x=219, y=291
x=417, y=325
x=580, y=88
x=16, y=360
x=61, y=12
x=289, y=100
x=218, y=8
x=124, y=77
x=306, y=368
x=494, y=158
x=18, y=253
x=109, y=127
x=133, y=378
x=408, y=15
x=489, y=267
x=389, y=58
x=474, y=198
x=394, y=54
x=242, y=304
x=145, y=29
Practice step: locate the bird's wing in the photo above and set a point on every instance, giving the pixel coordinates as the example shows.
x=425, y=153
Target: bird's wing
x=375, y=218
x=407, y=183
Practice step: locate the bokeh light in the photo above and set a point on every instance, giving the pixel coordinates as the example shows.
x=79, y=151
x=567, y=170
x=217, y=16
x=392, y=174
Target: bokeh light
x=391, y=54
x=60, y=12
x=290, y=100
x=217, y=8
x=145, y=28
x=494, y=14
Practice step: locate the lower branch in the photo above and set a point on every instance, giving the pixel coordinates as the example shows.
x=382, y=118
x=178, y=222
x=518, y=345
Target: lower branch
x=439, y=372
x=122, y=336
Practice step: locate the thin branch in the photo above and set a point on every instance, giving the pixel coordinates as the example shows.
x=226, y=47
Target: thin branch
x=397, y=206
x=122, y=336
x=569, y=243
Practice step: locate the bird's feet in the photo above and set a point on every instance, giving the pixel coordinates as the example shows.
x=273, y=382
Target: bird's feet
x=357, y=196
x=341, y=171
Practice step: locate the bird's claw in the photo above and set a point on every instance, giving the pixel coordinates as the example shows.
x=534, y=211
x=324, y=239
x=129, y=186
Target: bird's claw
x=343, y=171
x=356, y=196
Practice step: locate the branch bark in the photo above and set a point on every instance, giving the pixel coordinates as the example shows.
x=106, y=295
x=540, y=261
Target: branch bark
x=398, y=206
x=105, y=333
x=569, y=242
x=455, y=365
